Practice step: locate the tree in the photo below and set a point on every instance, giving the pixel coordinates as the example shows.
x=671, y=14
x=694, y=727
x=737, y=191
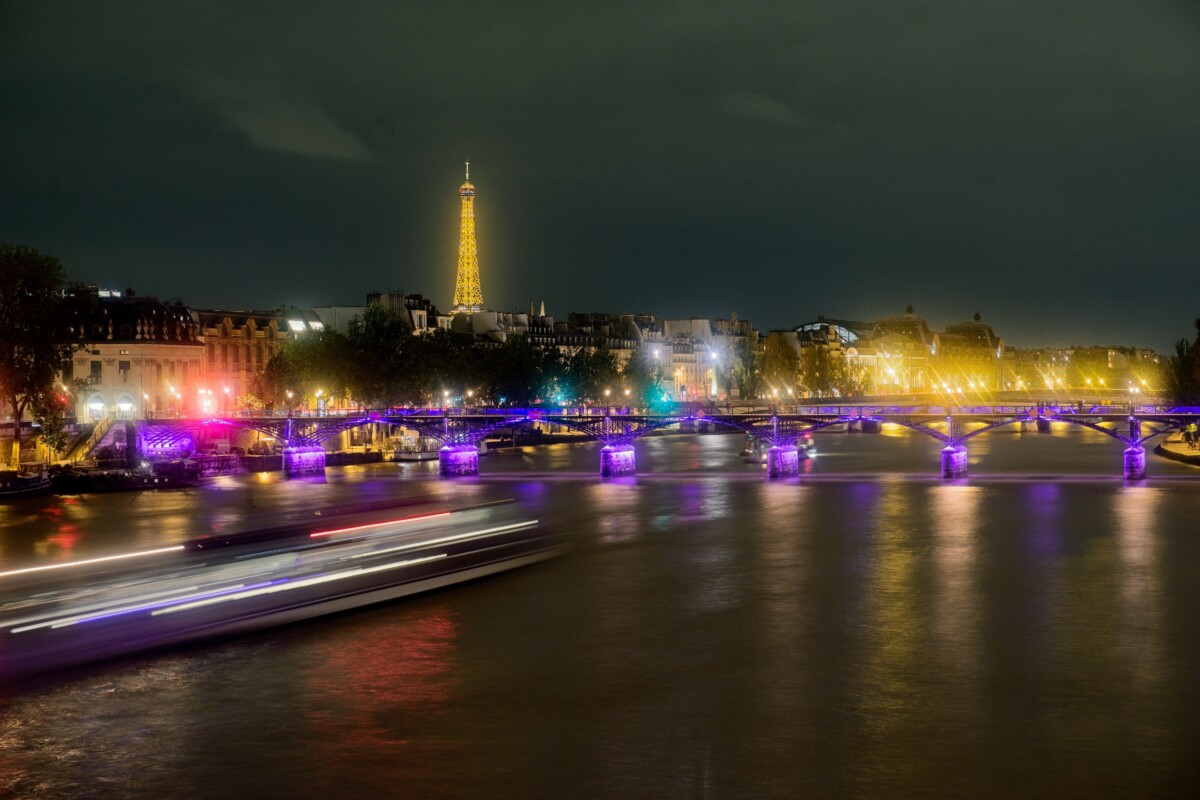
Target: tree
x=521, y=371
x=315, y=361
x=1183, y=374
x=39, y=330
x=588, y=372
x=740, y=369
x=780, y=364
x=379, y=340
x=50, y=412
x=642, y=375
x=824, y=372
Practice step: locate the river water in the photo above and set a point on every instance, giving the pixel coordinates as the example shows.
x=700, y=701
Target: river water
x=865, y=630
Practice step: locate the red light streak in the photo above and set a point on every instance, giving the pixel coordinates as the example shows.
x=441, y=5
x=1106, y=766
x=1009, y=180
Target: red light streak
x=371, y=525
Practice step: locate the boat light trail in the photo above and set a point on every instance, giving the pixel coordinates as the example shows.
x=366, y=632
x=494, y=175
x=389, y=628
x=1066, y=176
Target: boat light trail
x=91, y=561
x=174, y=593
x=371, y=525
x=289, y=584
x=445, y=539
x=64, y=622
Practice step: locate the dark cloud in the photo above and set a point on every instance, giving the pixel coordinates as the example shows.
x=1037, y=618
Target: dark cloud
x=1035, y=161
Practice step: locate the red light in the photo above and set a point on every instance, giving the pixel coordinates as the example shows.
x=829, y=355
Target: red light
x=379, y=524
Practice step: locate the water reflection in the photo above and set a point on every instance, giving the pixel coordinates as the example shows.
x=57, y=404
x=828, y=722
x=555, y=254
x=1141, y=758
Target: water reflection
x=618, y=500
x=1137, y=513
x=377, y=692
x=955, y=519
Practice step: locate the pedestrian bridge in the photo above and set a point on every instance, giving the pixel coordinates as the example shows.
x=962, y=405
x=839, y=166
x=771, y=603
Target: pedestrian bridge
x=461, y=431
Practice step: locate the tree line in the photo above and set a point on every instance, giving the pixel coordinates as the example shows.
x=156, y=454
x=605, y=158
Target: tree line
x=380, y=363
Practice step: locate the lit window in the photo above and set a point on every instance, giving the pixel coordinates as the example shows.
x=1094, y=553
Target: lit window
x=296, y=325
x=316, y=326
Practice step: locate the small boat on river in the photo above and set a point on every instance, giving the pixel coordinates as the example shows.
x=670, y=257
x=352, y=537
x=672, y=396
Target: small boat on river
x=156, y=475
x=755, y=451
x=23, y=484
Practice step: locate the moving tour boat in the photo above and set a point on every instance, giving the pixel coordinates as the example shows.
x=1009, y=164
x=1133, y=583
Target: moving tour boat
x=59, y=614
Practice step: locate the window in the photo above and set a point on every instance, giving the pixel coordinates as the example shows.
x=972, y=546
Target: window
x=123, y=367
x=97, y=370
x=123, y=353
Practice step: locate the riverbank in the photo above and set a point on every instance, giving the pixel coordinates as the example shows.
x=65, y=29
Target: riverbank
x=1176, y=449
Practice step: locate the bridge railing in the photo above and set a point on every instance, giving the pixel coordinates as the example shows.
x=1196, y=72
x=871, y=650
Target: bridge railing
x=848, y=410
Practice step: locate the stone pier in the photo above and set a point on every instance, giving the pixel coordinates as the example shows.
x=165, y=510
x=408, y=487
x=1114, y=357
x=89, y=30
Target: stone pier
x=783, y=461
x=1043, y=425
x=1135, y=463
x=617, y=460
x=954, y=461
x=455, y=460
x=872, y=426
x=306, y=460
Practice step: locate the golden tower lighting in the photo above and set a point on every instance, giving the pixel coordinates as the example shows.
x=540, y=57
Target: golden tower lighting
x=468, y=296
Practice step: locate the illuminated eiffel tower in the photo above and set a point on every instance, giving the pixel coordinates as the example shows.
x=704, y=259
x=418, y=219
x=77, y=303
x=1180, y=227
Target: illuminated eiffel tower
x=468, y=296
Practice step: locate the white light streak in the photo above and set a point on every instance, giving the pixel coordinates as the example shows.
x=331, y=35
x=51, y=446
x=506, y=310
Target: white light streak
x=300, y=584
x=91, y=561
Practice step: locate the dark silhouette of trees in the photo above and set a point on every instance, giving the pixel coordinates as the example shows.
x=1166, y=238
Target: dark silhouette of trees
x=521, y=372
x=587, y=372
x=1183, y=372
x=643, y=376
x=39, y=330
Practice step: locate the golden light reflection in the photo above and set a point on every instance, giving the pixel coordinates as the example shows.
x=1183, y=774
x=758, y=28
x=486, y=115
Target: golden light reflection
x=955, y=517
x=893, y=646
x=1140, y=612
x=619, y=523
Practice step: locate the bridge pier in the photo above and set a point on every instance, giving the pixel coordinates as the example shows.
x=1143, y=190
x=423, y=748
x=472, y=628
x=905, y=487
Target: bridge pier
x=617, y=461
x=783, y=461
x=1135, y=463
x=304, y=460
x=872, y=426
x=954, y=461
x=1043, y=425
x=455, y=460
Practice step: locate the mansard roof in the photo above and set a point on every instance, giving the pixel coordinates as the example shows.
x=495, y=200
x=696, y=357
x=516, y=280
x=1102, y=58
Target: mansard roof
x=132, y=319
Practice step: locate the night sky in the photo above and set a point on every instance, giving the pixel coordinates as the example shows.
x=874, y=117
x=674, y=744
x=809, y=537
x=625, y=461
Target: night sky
x=1037, y=162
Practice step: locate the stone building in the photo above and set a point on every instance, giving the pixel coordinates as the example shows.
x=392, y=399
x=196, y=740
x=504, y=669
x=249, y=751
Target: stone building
x=145, y=359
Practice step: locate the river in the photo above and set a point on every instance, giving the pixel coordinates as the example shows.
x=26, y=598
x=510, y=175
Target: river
x=865, y=630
